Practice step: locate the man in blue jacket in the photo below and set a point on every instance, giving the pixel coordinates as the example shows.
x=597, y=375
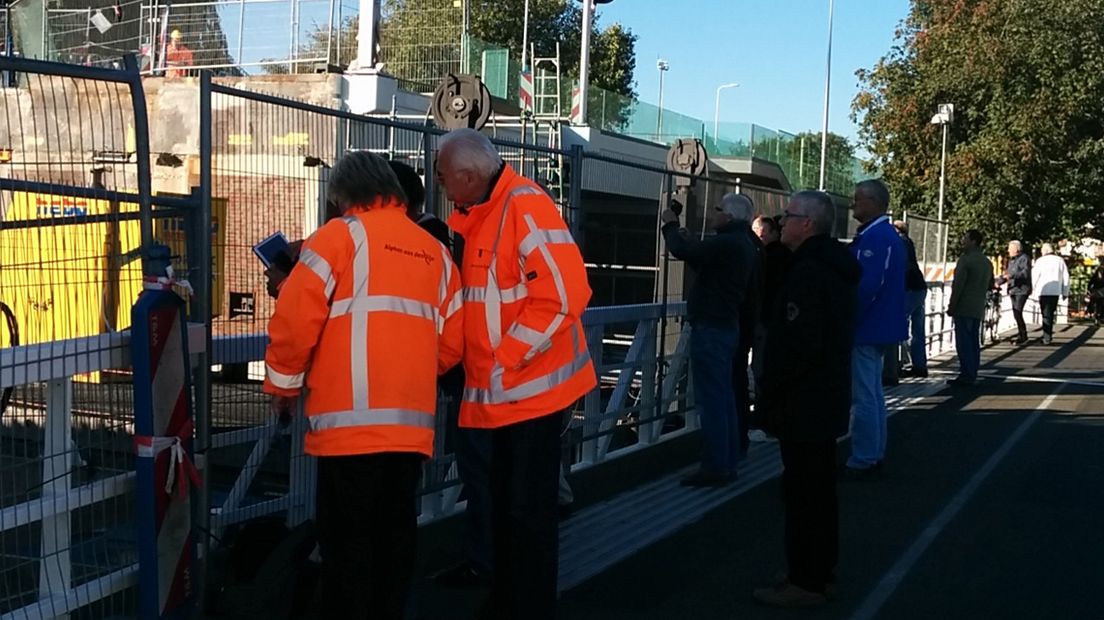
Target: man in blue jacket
x=880, y=322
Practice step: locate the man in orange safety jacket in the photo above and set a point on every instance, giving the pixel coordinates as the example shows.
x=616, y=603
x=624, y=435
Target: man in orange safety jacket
x=365, y=322
x=525, y=357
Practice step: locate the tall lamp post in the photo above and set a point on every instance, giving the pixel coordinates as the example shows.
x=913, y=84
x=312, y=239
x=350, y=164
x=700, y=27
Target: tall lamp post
x=717, y=111
x=827, y=88
x=663, y=66
x=584, y=56
x=944, y=117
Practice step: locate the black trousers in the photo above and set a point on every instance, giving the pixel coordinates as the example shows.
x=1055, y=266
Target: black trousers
x=812, y=512
x=1018, y=303
x=367, y=521
x=525, y=474
x=1048, y=305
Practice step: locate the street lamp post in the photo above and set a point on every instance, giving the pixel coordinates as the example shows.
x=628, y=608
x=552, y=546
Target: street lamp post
x=944, y=117
x=717, y=110
x=827, y=89
x=663, y=66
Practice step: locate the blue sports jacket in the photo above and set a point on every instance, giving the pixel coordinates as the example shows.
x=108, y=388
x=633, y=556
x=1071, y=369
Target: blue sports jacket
x=880, y=312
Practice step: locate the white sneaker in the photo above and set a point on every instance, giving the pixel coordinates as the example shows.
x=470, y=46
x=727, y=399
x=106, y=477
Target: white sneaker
x=759, y=436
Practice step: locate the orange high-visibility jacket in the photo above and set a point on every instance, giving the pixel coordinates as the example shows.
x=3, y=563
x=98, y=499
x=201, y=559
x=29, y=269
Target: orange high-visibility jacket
x=367, y=319
x=525, y=289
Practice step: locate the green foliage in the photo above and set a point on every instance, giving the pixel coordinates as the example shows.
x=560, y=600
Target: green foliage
x=802, y=164
x=1026, y=150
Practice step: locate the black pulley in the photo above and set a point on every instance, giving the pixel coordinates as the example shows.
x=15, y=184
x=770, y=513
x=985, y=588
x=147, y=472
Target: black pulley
x=687, y=156
x=461, y=100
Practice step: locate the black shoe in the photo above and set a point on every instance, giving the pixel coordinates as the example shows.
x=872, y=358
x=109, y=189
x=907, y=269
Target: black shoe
x=962, y=381
x=890, y=382
x=462, y=575
x=701, y=479
x=921, y=373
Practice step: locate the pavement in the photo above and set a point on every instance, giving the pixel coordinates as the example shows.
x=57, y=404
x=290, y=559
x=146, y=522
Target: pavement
x=990, y=505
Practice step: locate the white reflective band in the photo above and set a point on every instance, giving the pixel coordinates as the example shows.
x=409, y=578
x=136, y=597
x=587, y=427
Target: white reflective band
x=446, y=278
x=320, y=267
x=371, y=417
x=384, y=303
x=455, y=305
x=508, y=296
x=358, y=337
x=286, y=382
x=526, y=334
x=542, y=236
x=530, y=388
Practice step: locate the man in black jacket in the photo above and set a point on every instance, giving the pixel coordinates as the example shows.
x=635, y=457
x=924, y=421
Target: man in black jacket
x=806, y=397
x=723, y=265
x=1018, y=277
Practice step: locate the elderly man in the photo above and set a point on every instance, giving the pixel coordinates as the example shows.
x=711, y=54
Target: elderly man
x=972, y=282
x=525, y=357
x=806, y=394
x=1017, y=275
x=880, y=322
x=367, y=284
x=723, y=263
x=1050, y=280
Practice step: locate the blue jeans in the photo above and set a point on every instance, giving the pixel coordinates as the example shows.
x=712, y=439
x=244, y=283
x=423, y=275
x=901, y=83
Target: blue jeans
x=968, y=346
x=868, y=408
x=711, y=353
x=918, y=345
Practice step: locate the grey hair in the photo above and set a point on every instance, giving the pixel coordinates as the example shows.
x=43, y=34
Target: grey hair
x=478, y=154
x=1046, y=248
x=875, y=190
x=361, y=178
x=738, y=206
x=1016, y=244
x=820, y=209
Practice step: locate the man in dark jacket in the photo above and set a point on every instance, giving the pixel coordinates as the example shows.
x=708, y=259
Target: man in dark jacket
x=776, y=262
x=723, y=264
x=1018, y=278
x=916, y=294
x=806, y=397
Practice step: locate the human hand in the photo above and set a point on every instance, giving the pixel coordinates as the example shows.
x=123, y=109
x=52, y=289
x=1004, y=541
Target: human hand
x=282, y=407
x=668, y=217
x=274, y=277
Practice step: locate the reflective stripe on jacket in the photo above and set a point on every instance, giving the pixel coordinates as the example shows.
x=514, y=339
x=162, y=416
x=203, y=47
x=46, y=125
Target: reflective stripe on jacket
x=368, y=318
x=525, y=289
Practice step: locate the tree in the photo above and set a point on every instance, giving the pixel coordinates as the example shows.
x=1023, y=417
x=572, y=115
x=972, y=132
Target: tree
x=1026, y=149
x=421, y=40
x=800, y=159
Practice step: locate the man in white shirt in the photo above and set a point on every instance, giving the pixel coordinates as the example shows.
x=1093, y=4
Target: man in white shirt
x=1050, y=280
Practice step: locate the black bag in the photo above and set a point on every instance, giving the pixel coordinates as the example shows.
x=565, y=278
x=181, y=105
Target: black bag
x=264, y=572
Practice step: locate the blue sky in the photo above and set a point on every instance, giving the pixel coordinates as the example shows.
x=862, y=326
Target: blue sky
x=775, y=49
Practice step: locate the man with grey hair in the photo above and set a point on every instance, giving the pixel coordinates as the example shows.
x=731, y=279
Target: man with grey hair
x=525, y=358
x=1017, y=275
x=880, y=323
x=1050, y=280
x=805, y=398
x=723, y=263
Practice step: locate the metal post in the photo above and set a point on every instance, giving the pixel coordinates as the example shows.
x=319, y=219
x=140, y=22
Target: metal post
x=525, y=34
x=366, y=33
x=201, y=312
x=661, y=361
x=241, y=28
x=142, y=153
x=662, y=66
x=827, y=90
x=801, y=165
x=55, y=567
x=575, y=194
x=584, y=59
x=942, y=172
x=717, y=112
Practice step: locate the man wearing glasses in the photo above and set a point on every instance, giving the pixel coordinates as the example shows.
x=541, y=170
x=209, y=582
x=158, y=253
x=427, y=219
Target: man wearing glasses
x=880, y=322
x=809, y=338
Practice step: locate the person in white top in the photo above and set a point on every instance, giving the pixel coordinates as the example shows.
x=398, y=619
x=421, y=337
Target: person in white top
x=1050, y=280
